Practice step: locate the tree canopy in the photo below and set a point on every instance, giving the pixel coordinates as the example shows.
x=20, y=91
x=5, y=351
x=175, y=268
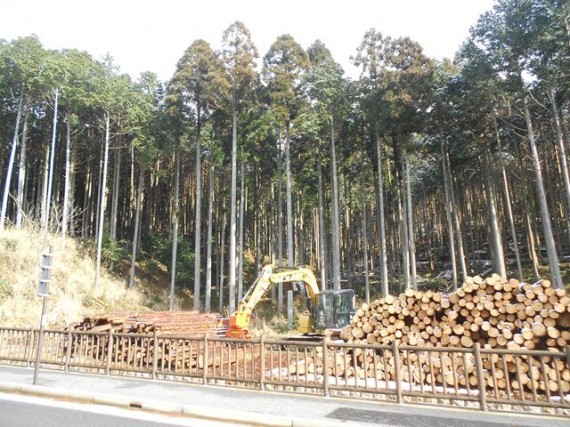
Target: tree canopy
x=416, y=168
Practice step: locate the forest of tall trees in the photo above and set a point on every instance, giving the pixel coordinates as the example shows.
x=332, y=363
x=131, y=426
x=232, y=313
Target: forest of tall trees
x=417, y=167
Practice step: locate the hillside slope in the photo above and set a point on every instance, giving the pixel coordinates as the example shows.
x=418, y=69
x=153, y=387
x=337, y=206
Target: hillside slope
x=72, y=292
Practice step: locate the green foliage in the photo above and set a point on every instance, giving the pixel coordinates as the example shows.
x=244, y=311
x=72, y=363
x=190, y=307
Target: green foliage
x=6, y=289
x=160, y=247
x=112, y=251
x=238, y=56
x=284, y=66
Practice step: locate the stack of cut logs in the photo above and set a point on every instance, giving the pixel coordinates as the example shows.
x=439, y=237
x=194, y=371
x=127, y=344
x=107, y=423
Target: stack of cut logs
x=176, y=351
x=163, y=322
x=494, y=312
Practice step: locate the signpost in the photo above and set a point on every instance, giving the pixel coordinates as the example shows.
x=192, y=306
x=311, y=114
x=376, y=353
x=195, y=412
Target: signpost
x=43, y=291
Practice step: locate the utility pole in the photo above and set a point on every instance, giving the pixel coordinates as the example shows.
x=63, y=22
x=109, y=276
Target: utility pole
x=43, y=291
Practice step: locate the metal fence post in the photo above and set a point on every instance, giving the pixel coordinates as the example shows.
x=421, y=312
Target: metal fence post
x=397, y=379
x=154, y=354
x=261, y=363
x=325, y=368
x=30, y=347
x=68, y=350
x=40, y=341
x=205, y=373
x=109, y=352
x=480, y=377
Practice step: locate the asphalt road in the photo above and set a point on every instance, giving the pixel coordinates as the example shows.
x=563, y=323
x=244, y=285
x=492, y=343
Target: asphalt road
x=229, y=405
x=29, y=411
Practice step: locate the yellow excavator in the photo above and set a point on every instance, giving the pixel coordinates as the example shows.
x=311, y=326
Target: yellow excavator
x=327, y=310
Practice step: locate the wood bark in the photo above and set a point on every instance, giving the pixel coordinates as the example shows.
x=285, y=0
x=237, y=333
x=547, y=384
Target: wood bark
x=335, y=215
x=11, y=163
x=115, y=193
x=381, y=217
x=208, y=290
x=544, y=211
x=47, y=213
x=137, y=226
x=233, y=209
x=175, y=215
x=322, y=238
x=102, y=199
x=22, y=170
x=198, y=223
x=67, y=179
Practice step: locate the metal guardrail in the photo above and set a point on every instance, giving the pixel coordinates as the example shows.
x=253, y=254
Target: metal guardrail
x=475, y=377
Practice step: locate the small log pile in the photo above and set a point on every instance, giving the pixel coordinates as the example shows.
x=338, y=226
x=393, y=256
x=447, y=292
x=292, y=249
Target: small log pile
x=494, y=312
x=187, y=323
x=177, y=348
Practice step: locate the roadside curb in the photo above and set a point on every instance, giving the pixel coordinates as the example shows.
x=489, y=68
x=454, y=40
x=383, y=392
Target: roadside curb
x=157, y=406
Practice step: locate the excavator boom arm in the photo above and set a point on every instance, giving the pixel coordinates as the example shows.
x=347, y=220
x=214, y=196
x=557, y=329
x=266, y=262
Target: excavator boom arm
x=239, y=321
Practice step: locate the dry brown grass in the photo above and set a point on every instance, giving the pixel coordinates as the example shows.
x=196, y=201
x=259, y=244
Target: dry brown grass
x=72, y=292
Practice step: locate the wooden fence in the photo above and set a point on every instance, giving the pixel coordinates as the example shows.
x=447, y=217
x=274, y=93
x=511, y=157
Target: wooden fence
x=472, y=377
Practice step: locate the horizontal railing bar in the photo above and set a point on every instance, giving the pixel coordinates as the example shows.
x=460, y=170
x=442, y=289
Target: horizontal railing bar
x=360, y=369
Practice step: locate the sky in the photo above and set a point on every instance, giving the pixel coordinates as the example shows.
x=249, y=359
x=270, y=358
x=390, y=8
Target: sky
x=148, y=35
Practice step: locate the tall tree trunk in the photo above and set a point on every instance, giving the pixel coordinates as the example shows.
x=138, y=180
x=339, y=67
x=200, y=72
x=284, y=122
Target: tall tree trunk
x=290, y=252
x=115, y=197
x=175, y=219
x=70, y=195
x=335, y=214
x=456, y=224
x=410, y=219
x=364, y=238
x=85, y=221
x=241, y=213
x=132, y=194
x=99, y=180
x=496, y=242
x=66, y=189
x=208, y=297
x=20, y=212
x=272, y=226
x=508, y=202
x=11, y=163
x=198, y=225
x=532, y=252
x=449, y=214
x=280, y=224
x=44, y=195
x=402, y=216
x=51, y=163
x=258, y=217
x=222, y=263
x=381, y=218
x=562, y=149
x=322, y=237
x=233, y=209
x=137, y=226
x=545, y=214
x=102, y=201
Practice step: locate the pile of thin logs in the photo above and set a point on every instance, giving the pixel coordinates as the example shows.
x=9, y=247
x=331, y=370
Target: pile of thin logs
x=495, y=313
x=131, y=349
x=187, y=323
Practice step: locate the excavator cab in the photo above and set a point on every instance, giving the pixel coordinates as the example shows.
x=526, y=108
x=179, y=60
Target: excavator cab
x=335, y=308
x=327, y=310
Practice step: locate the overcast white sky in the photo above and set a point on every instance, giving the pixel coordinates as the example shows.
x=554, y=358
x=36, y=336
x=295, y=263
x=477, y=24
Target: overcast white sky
x=152, y=35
